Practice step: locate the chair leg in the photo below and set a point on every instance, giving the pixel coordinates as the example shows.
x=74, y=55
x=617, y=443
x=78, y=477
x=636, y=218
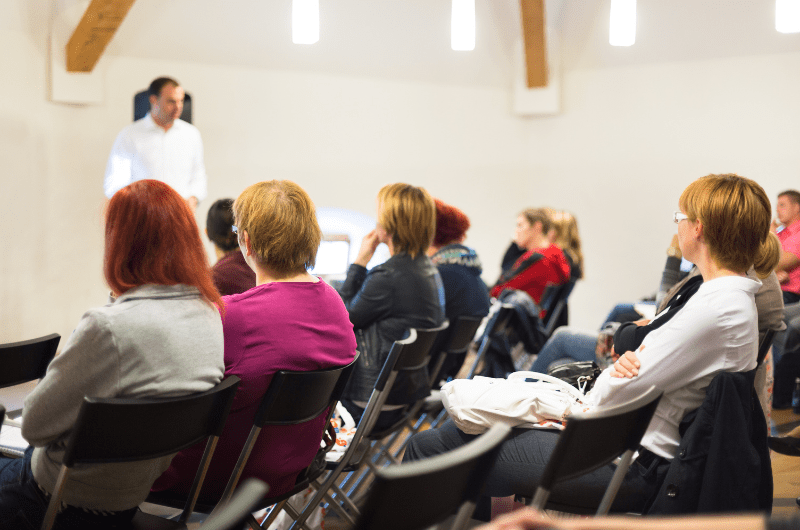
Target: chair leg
x=616, y=482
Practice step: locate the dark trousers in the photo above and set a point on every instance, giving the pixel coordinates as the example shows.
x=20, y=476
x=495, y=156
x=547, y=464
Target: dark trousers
x=522, y=459
x=23, y=505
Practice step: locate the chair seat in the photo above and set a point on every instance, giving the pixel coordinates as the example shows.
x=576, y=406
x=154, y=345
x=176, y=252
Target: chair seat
x=146, y=521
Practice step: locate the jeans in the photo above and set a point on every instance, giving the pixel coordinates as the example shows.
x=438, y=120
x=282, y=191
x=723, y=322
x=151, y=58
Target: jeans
x=565, y=343
x=521, y=462
x=23, y=505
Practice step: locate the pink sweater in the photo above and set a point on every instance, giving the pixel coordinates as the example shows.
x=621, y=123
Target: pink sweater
x=275, y=326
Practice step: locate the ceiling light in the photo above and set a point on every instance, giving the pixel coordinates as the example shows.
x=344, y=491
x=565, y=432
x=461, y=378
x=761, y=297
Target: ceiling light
x=622, y=30
x=462, y=26
x=787, y=16
x=305, y=21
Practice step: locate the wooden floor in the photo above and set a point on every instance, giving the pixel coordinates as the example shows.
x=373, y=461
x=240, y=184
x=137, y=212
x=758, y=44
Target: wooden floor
x=786, y=469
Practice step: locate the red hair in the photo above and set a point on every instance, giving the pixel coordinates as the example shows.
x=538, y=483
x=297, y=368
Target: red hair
x=152, y=237
x=451, y=224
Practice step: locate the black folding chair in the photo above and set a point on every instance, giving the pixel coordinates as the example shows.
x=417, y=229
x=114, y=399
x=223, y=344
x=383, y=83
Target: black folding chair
x=452, y=346
x=554, y=302
x=27, y=360
x=293, y=397
x=420, y=494
x=497, y=323
x=130, y=430
x=404, y=356
x=594, y=439
x=240, y=506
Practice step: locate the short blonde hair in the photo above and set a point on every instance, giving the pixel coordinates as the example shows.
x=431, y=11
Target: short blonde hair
x=408, y=214
x=280, y=219
x=735, y=213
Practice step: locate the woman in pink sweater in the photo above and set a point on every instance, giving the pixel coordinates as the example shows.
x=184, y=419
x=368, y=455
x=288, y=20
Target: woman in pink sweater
x=290, y=320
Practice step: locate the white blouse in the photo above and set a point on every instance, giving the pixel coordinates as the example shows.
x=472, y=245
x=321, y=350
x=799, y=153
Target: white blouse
x=716, y=331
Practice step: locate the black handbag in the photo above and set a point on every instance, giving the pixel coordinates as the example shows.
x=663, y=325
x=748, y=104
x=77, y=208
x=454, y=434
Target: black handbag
x=580, y=374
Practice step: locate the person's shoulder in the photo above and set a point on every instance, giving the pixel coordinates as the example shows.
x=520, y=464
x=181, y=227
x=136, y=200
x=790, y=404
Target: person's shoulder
x=186, y=128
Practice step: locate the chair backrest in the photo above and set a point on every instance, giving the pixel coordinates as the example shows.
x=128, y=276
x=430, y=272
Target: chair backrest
x=593, y=439
x=497, y=323
x=554, y=300
x=247, y=497
x=764, y=345
x=454, y=341
x=421, y=494
x=408, y=354
x=27, y=360
x=129, y=430
x=293, y=397
x=405, y=354
x=297, y=397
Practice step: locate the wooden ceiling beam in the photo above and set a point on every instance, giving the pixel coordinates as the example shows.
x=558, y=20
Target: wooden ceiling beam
x=94, y=32
x=534, y=34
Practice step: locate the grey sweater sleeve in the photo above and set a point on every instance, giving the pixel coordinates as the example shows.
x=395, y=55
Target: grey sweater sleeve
x=88, y=365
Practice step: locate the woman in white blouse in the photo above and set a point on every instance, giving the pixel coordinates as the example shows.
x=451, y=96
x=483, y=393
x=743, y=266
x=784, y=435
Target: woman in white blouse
x=723, y=224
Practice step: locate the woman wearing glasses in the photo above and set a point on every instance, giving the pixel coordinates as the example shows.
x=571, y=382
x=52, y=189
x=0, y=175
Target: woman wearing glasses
x=723, y=227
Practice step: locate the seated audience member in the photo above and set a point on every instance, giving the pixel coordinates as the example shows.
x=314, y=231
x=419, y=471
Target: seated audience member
x=567, y=238
x=231, y=273
x=723, y=224
x=528, y=519
x=291, y=320
x=788, y=211
x=542, y=264
x=465, y=294
x=404, y=292
x=160, y=336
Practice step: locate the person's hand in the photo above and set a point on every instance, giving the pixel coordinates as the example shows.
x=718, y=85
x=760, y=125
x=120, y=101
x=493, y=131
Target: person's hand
x=627, y=365
x=523, y=519
x=614, y=355
x=783, y=276
x=642, y=322
x=368, y=246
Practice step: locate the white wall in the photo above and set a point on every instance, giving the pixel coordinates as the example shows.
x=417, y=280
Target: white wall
x=628, y=142
x=340, y=138
x=631, y=139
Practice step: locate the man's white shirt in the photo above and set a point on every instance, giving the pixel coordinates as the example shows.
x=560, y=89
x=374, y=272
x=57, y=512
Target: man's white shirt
x=143, y=150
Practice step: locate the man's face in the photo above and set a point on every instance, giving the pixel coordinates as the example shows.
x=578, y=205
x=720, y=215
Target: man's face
x=787, y=210
x=167, y=107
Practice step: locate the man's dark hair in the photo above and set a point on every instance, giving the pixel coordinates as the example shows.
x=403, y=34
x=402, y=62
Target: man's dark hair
x=158, y=85
x=218, y=224
x=793, y=195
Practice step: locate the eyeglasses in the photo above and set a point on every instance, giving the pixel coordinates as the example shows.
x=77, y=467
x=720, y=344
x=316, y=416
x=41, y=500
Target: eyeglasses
x=676, y=216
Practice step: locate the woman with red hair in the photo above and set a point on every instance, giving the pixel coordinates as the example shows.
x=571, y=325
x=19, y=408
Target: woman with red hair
x=160, y=336
x=465, y=294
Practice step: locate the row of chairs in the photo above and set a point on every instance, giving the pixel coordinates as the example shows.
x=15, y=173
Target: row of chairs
x=406, y=355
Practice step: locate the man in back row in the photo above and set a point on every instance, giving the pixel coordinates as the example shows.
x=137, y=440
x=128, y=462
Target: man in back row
x=160, y=146
x=788, y=268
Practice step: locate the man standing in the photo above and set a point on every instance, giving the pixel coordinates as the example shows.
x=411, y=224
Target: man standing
x=788, y=268
x=160, y=146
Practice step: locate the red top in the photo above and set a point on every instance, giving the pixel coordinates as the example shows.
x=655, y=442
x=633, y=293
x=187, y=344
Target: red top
x=533, y=271
x=275, y=326
x=232, y=275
